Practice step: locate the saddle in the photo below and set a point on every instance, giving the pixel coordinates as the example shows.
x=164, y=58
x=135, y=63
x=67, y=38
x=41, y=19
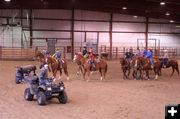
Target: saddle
x=92, y=65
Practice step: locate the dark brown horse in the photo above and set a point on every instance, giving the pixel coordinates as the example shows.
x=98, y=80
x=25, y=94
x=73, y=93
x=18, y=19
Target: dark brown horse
x=100, y=65
x=125, y=66
x=55, y=66
x=171, y=63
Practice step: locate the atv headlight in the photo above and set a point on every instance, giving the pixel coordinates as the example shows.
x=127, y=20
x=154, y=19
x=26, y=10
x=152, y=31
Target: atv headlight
x=61, y=88
x=49, y=88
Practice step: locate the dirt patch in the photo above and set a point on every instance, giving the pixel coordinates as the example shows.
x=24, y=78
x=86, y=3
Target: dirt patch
x=113, y=98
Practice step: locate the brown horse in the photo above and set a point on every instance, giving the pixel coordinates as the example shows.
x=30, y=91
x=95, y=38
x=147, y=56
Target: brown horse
x=55, y=66
x=40, y=56
x=125, y=66
x=85, y=64
x=136, y=65
x=80, y=60
x=146, y=66
x=171, y=63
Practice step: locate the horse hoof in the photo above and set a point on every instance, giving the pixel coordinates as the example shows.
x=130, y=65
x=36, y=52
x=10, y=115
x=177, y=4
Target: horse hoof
x=101, y=78
x=135, y=79
x=156, y=77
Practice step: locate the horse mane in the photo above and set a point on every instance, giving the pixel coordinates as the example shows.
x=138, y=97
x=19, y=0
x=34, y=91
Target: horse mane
x=52, y=59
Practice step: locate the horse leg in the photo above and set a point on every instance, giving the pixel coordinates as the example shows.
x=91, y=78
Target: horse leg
x=60, y=72
x=66, y=73
x=34, y=71
x=124, y=74
x=88, y=74
x=54, y=74
x=133, y=74
x=147, y=74
x=79, y=68
x=159, y=72
x=100, y=71
x=140, y=73
x=156, y=73
x=128, y=71
x=177, y=69
x=172, y=71
x=143, y=74
x=84, y=74
x=104, y=74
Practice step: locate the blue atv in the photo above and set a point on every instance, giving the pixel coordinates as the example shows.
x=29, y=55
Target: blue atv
x=45, y=92
x=23, y=71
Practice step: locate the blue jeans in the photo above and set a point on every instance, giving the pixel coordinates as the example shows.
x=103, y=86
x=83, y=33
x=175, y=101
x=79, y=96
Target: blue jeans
x=165, y=61
x=43, y=81
x=151, y=61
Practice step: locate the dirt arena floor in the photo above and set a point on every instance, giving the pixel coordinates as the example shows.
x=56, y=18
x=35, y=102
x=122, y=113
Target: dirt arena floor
x=113, y=98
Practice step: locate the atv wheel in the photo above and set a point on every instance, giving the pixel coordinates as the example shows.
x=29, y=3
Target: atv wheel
x=27, y=95
x=17, y=81
x=63, y=97
x=41, y=98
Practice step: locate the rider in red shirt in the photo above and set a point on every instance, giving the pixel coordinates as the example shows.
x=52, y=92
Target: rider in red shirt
x=92, y=58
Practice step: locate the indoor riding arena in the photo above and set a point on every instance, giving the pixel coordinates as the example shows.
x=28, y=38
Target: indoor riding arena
x=107, y=31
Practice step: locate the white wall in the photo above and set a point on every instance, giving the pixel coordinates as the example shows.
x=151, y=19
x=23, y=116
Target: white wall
x=91, y=15
x=129, y=27
x=126, y=39
x=91, y=26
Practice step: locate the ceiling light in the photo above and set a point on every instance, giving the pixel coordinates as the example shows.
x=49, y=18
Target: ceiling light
x=167, y=14
x=7, y=0
x=124, y=8
x=162, y=3
x=171, y=21
x=135, y=16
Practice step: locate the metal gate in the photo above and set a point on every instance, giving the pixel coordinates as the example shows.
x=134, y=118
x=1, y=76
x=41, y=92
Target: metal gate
x=154, y=44
x=51, y=45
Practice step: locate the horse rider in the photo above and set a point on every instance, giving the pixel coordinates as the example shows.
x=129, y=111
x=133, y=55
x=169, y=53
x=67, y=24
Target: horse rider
x=43, y=75
x=144, y=52
x=45, y=53
x=138, y=53
x=85, y=52
x=131, y=50
x=92, y=59
x=165, y=58
x=128, y=56
x=57, y=56
x=149, y=55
